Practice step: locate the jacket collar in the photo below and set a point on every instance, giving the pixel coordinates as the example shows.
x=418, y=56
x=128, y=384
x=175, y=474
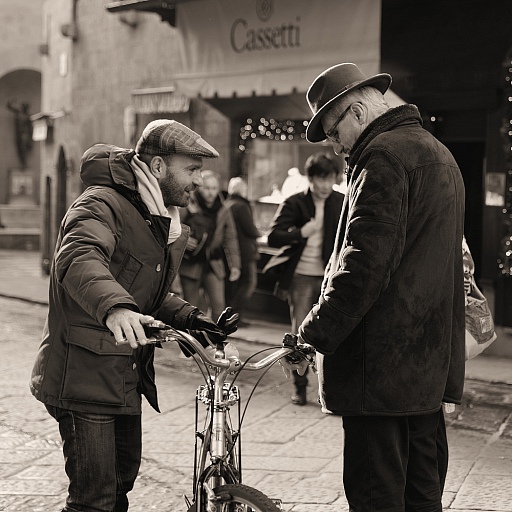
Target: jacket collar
x=404, y=114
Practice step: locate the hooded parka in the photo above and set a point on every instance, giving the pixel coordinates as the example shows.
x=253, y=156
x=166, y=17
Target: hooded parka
x=389, y=325
x=110, y=251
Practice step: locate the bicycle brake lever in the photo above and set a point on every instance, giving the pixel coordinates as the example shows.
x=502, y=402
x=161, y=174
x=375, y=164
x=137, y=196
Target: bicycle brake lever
x=153, y=330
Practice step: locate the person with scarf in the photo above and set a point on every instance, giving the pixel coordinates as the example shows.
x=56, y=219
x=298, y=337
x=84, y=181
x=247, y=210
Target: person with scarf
x=118, y=250
x=389, y=324
x=212, y=245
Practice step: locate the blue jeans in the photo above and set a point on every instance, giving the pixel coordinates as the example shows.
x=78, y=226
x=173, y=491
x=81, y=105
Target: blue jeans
x=102, y=454
x=304, y=293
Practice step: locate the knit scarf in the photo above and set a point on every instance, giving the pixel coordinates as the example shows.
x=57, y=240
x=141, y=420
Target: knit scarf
x=151, y=194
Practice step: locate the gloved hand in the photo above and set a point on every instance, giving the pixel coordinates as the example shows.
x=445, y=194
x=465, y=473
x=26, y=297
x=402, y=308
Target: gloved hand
x=207, y=332
x=228, y=321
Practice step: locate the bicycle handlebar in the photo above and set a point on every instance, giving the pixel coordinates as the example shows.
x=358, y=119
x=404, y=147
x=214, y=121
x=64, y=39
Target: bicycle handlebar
x=166, y=333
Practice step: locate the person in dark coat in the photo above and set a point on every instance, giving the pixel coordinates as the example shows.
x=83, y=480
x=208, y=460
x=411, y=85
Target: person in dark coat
x=389, y=324
x=118, y=250
x=239, y=293
x=304, y=228
x=212, y=254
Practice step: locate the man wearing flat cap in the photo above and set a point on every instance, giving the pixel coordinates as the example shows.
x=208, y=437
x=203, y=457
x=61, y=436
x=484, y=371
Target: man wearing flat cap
x=118, y=250
x=389, y=323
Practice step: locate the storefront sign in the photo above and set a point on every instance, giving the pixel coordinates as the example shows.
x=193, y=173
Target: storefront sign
x=265, y=47
x=39, y=129
x=157, y=101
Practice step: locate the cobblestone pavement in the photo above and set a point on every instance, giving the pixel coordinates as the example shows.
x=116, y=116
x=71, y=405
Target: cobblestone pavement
x=291, y=453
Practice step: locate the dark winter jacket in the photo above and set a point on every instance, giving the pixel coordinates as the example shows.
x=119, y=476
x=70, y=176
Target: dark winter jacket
x=110, y=251
x=285, y=233
x=216, y=233
x=247, y=232
x=390, y=320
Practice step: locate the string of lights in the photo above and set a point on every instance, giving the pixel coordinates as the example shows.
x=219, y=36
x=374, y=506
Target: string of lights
x=505, y=253
x=272, y=129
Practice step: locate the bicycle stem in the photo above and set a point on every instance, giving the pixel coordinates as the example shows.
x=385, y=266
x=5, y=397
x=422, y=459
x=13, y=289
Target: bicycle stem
x=218, y=439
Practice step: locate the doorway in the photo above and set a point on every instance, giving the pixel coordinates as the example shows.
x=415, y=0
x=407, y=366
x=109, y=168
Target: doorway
x=470, y=158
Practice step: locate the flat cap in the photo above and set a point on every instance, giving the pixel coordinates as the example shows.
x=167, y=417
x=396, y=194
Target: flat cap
x=167, y=137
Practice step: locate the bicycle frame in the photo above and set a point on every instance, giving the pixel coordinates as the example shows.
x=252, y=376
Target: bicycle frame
x=218, y=439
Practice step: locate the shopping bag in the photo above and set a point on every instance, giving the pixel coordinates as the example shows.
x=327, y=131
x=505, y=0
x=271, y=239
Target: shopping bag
x=480, y=331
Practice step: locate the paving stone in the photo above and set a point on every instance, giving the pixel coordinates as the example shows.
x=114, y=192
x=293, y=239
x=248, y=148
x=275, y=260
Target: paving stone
x=268, y=449
x=55, y=472
x=31, y=459
x=501, y=447
x=328, y=429
x=36, y=504
x=283, y=463
x=464, y=444
x=55, y=457
x=493, y=466
x=448, y=498
x=339, y=506
x=156, y=497
x=335, y=465
x=26, y=487
x=21, y=456
x=458, y=470
x=9, y=469
x=485, y=418
x=7, y=443
x=272, y=430
x=163, y=446
x=484, y=492
x=173, y=460
x=301, y=444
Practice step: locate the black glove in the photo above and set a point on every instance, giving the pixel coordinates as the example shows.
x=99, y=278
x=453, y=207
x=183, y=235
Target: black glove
x=228, y=321
x=207, y=332
x=200, y=324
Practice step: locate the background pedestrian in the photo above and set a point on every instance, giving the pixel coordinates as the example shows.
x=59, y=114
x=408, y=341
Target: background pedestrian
x=239, y=293
x=304, y=227
x=213, y=240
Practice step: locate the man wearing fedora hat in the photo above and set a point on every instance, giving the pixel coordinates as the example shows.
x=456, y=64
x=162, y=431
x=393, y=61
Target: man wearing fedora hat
x=389, y=324
x=119, y=248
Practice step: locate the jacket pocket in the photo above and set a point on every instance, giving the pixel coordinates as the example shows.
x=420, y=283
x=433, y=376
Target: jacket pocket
x=97, y=370
x=128, y=271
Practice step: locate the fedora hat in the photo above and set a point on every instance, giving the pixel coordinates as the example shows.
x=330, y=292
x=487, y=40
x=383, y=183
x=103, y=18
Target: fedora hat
x=331, y=85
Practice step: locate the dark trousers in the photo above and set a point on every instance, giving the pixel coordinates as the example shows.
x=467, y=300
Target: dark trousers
x=395, y=463
x=304, y=293
x=103, y=454
x=239, y=293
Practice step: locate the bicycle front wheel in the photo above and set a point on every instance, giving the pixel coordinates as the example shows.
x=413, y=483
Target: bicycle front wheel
x=242, y=498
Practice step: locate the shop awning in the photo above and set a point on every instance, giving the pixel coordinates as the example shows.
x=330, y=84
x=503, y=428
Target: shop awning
x=290, y=106
x=265, y=55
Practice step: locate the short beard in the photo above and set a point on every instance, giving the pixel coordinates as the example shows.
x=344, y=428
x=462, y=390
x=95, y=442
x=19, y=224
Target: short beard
x=170, y=192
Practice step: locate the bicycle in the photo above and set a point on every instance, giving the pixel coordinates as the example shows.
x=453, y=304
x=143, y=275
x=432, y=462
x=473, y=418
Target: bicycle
x=217, y=479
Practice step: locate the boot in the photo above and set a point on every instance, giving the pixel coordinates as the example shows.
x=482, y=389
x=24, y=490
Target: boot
x=299, y=397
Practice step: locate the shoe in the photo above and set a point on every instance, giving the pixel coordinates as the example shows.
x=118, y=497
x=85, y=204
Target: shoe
x=299, y=397
x=243, y=323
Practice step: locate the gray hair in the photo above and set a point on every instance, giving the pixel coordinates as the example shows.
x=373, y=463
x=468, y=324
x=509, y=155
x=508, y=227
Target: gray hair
x=207, y=173
x=237, y=185
x=369, y=95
